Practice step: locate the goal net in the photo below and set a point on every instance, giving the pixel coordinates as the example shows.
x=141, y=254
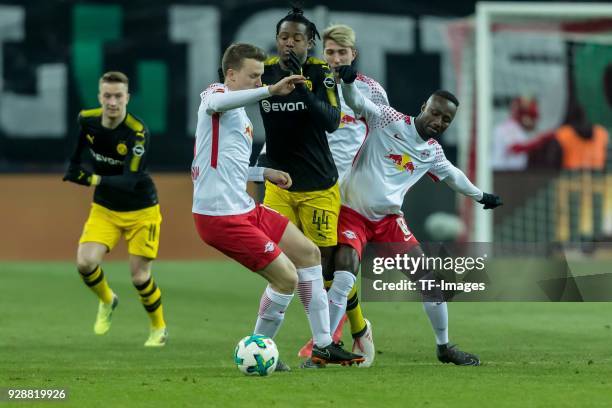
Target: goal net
x=525, y=71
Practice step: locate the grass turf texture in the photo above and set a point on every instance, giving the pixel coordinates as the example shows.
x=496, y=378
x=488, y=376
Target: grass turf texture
x=534, y=354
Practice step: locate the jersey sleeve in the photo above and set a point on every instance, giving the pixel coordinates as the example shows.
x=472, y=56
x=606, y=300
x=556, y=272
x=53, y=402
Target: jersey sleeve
x=443, y=169
x=216, y=98
x=377, y=116
x=136, y=158
x=262, y=158
x=361, y=105
x=75, y=159
x=256, y=174
x=323, y=101
x=372, y=90
x=207, y=96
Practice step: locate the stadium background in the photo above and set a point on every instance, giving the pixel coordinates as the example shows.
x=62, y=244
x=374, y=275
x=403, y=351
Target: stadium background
x=51, y=54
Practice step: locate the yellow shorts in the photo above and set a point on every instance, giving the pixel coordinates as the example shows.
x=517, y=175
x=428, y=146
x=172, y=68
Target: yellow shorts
x=140, y=228
x=313, y=212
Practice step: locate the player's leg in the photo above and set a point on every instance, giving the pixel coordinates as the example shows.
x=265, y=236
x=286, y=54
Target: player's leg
x=353, y=234
x=282, y=281
x=328, y=276
x=89, y=258
x=437, y=312
x=151, y=298
x=251, y=239
x=100, y=235
x=319, y=214
x=282, y=202
x=306, y=257
x=345, y=276
x=142, y=235
x=395, y=230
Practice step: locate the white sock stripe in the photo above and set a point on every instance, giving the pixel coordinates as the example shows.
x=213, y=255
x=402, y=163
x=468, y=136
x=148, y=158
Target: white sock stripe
x=264, y=305
x=305, y=293
x=279, y=298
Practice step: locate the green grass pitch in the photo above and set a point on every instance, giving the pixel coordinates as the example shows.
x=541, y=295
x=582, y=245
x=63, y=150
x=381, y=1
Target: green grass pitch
x=540, y=354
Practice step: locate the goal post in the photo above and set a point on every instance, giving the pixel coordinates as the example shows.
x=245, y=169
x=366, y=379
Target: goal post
x=488, y=15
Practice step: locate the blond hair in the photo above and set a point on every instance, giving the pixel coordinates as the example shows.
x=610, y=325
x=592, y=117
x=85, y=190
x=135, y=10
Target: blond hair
x=114, y=77
x=341, y=34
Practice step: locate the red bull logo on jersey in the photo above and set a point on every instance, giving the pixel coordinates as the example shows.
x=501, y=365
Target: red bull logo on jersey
x=346, y=119
x=403, y=162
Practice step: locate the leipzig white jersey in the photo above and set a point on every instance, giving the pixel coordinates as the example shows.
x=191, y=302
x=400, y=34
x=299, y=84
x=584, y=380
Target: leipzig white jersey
x=345, y=141
x=392, y=159
x=224, y=138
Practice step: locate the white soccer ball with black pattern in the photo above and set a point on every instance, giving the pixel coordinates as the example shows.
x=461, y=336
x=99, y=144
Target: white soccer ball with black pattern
x=256, y=355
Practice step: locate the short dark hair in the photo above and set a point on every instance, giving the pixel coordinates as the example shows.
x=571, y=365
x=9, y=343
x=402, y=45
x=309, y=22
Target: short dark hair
x=115, y=77
x=447, y=95
x=297, y=15
x=236, y=53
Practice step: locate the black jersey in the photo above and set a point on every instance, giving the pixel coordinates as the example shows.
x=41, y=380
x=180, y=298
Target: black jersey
x=119, y=156
x=295, y=125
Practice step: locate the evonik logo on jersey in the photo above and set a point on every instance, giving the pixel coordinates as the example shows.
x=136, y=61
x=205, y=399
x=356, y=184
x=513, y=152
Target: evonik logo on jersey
x=282, y=107
x=105, y=159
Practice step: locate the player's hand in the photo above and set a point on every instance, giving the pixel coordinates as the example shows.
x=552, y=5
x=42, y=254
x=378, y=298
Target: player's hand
x=293, y=63
x=286, y=85
x=280, y=178
x=347, y=73
x=490, y=201
x=78, y=175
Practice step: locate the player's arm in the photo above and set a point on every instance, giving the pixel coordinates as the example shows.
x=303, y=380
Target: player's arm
x=374, y=92
x=280, y=178
x=217, y=100
x=75, y=173
x=75, y=159
x=323, y=104
x=458, y=181
x=221, y=101
x=262, y=157
x=361, y=105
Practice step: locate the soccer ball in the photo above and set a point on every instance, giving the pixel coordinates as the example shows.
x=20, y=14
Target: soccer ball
x=256, y=355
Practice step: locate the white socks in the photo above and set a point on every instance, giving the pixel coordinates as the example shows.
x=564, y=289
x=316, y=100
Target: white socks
x=314, y=298
x=438, y=316
x=271, y=312
x=338, y=294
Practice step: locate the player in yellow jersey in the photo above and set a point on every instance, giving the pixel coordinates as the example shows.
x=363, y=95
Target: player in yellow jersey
x=124, y=202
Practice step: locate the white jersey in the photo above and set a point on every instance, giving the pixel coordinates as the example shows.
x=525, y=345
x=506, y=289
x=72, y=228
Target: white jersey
x=345, y=141
x=224, y=138
x=392, y=159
